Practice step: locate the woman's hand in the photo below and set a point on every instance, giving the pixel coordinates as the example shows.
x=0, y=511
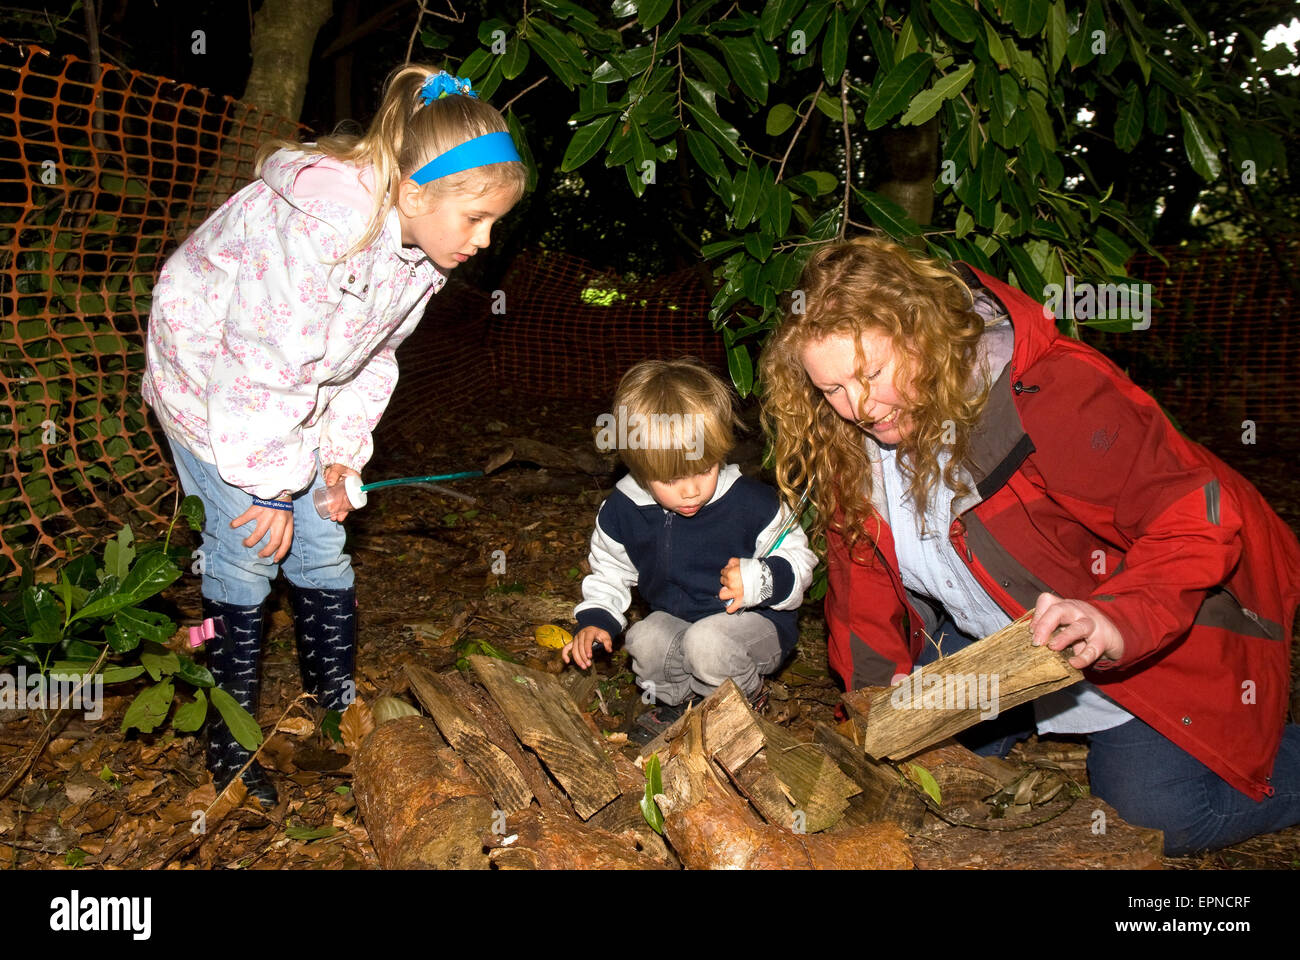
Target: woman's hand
x=1089, y=631
x=733, y=587
x=584, y=643
x=275, y=525
x=334, y=473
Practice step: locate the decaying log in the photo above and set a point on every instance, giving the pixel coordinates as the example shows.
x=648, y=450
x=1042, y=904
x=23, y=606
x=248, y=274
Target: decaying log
x=545, y=718
x=732, y=734
x=1088, y=836
x=535, y=841
x=421, y=805
x=710, y=826
x=818, y=787
x=489, y=718
x=940, y=700
x=488, y=761
x=885, y=795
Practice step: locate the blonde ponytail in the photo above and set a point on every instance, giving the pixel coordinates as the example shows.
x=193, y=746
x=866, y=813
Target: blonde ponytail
x=407, y=133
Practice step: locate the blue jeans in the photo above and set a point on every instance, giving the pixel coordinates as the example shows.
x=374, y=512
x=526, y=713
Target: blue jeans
x=1150, y=780
x=234, y=573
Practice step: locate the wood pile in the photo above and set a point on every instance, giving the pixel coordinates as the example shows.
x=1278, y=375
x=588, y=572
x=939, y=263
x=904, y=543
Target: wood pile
x=505, y=771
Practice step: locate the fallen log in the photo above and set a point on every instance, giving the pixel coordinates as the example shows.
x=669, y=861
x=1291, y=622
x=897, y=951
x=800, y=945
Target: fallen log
x=885, y=794
x=421, y=805
x=488, y=761
x=938, y=701
x=535, y=841
x=710, y=827
x=546, y=719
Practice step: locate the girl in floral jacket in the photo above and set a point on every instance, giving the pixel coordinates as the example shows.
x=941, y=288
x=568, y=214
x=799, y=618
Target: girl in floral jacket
x=271, y=358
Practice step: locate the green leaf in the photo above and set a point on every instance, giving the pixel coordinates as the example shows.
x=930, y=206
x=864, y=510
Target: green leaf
x=149, y=708
x=705, y=153
x=741, y=368
x=152, y=573
x=190, y=716
x=194, y=674
x=715, y=74
x=43, y=614
x=192, y=511
x=653, y=787
x=631, y=63
x=956, y=18
x=723, y=134
x=587, y=141
x=121, y=674
x=650, y=12
x=145, y=624
x=927, y=103
x=515, y=59
x=779, y=119
x=775, y=16
x=118, y=554
x=746, y=67
x=835, y=47
x=159, y=663
x=897, y=89
x=826, y=182
x=923, y=778
x=1202, y=154
x=887, y=215
x=1027, y=16
x=965, y=223
x=241, y=723
x=1058, y=35
x=997, y=49
x=1187, y=19
x=1129, y=118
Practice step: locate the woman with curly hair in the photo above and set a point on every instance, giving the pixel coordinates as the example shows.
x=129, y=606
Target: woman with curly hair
x=968, y=463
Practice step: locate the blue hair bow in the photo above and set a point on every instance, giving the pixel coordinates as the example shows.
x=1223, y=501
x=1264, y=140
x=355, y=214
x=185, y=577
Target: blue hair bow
x=441, y=84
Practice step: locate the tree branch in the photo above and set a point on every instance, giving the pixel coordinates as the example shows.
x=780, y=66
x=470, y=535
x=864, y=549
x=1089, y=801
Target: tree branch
x=798, y=130
x=848, y=151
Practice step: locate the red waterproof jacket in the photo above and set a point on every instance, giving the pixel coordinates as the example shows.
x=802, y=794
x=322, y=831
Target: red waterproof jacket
x=1077, y=470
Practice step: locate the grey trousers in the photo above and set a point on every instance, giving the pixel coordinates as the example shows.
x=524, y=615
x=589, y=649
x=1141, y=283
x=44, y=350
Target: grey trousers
x=673, y=658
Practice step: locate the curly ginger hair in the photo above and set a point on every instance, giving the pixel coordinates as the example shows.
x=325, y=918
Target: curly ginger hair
x=927, y=311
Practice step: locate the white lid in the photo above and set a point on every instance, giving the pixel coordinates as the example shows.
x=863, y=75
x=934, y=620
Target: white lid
x=356, y=496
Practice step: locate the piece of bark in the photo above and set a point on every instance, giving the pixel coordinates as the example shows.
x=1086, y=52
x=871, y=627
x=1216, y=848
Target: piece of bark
x=819, y=788
x=941, y=700
x=421, y=805
x=756, y=782
x=546, y=719
x=488, y=761
x=885, y=794
x=489, y=717
x=535, y=841
x=1088, y=836
x=732, y=733
x=710, y=827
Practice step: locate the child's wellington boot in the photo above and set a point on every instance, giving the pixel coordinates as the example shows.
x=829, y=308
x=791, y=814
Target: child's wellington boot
x=326, y=625
x=233, y=656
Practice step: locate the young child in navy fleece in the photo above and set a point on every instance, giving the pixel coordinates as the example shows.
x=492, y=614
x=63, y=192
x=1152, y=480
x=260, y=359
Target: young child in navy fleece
x=686, y=529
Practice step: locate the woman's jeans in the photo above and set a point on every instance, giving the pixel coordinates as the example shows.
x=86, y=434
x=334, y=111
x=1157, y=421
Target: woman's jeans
x=1151, y=781
x=234, y=573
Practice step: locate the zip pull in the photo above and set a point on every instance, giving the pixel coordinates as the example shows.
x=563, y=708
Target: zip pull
x=1019, y=387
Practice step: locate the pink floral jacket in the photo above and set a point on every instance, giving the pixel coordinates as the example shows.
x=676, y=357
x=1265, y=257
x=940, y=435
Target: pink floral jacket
x=265, y=345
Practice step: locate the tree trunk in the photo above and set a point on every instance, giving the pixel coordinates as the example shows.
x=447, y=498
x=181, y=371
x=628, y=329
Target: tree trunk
x=284, y=32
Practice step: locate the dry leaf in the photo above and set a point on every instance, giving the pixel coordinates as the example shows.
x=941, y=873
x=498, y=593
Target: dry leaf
x=296, y=726
x=141, y=788
x=356, y=725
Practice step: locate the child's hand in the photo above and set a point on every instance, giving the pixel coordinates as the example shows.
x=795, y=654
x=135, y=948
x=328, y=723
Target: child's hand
x=582, y=645
x=334, y=473
x=275, y=525
x=733, y=588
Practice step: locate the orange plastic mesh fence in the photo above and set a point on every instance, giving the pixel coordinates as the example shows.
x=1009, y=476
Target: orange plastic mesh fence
x=99, y=178
x=1225, y=342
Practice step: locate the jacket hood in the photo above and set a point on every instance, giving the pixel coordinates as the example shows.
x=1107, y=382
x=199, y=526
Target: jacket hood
x=728, y=474
x=1035, y=327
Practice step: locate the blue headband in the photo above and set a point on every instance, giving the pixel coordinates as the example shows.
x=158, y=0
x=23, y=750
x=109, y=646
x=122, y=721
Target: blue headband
x=489, y=148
